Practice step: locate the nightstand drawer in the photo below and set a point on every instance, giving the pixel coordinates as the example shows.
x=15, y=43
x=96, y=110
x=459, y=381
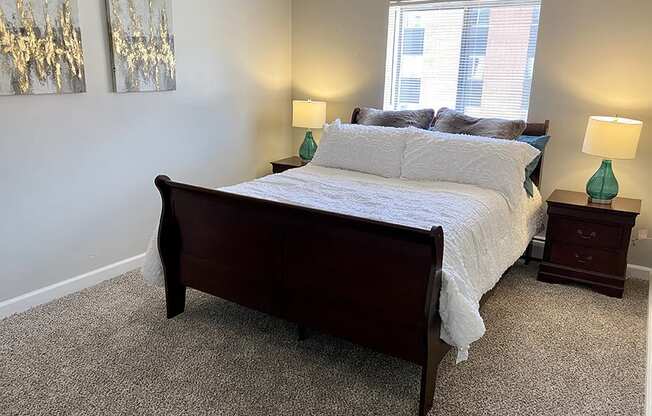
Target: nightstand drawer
x=588, y=243
x=586, y=258
x=586, y=234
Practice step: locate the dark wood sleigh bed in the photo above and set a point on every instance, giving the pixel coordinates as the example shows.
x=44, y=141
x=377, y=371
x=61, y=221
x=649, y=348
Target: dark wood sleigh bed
x=373, y=283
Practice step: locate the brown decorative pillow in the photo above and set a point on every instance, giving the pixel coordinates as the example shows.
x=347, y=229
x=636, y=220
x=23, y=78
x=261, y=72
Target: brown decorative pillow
x=451, y=121
x=417, y=118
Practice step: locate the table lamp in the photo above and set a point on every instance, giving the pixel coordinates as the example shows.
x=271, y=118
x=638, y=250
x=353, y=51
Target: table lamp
x=308, y=115
x=609, y=138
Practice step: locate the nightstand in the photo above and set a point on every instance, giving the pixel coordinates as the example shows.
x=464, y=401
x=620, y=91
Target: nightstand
x=588, y=243
x=287, y=164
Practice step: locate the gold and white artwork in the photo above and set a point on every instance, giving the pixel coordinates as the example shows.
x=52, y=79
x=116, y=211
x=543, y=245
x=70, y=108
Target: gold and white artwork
x=142, y=41
x=40, y=47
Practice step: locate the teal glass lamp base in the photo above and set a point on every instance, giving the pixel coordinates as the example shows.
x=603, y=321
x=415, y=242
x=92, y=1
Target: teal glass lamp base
x=603, y=186
x=308, y=147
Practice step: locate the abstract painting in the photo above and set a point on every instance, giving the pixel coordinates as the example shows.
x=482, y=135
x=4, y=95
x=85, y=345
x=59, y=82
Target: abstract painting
x=40, y=47
x=142, y=40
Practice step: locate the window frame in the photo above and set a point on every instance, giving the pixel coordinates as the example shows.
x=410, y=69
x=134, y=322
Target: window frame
x=471, y=65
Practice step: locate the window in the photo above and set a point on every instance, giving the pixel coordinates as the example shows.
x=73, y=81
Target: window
x=413, y=41
x=529, y=68
x=476, y=56
x=410, y=91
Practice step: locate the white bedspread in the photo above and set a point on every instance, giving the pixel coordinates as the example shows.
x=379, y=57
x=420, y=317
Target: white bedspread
x=483, y=236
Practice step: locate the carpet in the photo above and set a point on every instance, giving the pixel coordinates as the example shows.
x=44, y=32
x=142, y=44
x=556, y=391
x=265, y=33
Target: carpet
x=108, y=350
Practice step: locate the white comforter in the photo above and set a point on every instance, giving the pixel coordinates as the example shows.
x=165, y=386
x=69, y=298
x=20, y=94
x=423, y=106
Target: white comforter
x=483, y=236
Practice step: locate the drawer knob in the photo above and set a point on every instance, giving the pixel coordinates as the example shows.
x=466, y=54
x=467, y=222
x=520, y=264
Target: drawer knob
x=583, y=259
x=584, y=236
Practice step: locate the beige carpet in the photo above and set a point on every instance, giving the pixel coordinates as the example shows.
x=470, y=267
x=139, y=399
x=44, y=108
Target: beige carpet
x=549, y=350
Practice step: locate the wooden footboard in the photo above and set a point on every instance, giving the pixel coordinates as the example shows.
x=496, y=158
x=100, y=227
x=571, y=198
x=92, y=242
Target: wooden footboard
x=373, y=283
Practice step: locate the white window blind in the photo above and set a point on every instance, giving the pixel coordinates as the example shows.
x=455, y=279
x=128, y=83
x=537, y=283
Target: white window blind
x=474, y=56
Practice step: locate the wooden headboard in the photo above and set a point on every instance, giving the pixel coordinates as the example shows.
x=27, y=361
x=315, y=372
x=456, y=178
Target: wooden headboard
x=531, y=129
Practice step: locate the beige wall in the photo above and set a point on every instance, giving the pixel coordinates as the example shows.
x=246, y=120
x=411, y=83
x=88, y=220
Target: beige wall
x=593, y=57
x=77, y=171
x=338, y=54
x=78, y=162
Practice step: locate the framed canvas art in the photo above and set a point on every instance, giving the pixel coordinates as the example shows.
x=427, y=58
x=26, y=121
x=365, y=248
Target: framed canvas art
x=142, y=42
x=40, y=48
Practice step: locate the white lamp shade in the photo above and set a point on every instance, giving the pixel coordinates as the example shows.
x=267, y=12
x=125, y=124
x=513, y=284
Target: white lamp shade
x=308, y=114
x=612, y=137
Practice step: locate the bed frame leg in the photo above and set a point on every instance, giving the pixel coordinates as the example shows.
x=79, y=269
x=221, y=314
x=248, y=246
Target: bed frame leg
x=302, y=333
x=428, y=383
x=528, y=254
x=175, y=300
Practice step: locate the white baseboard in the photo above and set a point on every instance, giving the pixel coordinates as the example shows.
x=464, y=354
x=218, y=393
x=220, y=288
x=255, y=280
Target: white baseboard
x=537, y=248
x=633, y=271
x=47, y=294
x=638, y=272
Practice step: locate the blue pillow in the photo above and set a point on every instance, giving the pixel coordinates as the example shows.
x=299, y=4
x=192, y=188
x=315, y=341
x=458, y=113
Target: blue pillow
x=538, y=142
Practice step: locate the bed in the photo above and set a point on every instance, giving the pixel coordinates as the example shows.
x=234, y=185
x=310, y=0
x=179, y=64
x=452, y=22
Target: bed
x=351, y=254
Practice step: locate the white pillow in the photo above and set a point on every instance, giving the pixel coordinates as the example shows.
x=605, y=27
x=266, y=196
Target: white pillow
x=369, y=149
x=485, y=162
